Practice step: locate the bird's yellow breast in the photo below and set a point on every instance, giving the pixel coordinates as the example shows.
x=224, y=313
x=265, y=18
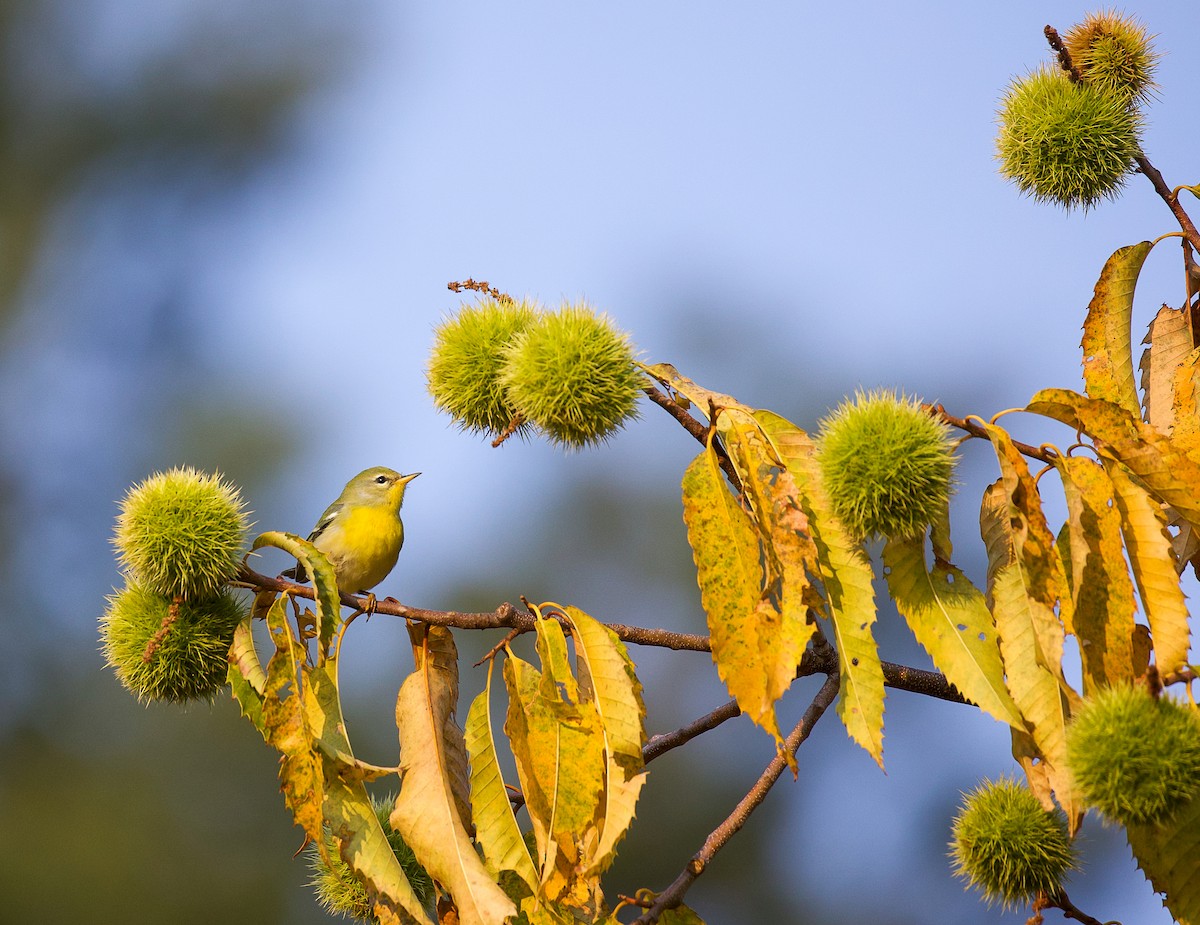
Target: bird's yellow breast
x=363, y=544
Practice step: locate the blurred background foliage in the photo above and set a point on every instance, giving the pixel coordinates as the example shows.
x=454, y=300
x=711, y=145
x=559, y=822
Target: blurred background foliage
x=225, y=229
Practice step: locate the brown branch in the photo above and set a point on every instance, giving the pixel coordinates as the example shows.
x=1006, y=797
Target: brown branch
x=1170, y=198
x=1064, y=56
x=673, y=895
x=818, y=660
x=824, y=660
x=1069, y=910
x=977, y=430
x=695, y=428
x=506, y=616
x=661, y=744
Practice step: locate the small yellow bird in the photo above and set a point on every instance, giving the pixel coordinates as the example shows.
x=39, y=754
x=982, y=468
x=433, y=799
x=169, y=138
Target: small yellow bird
x=361, y=532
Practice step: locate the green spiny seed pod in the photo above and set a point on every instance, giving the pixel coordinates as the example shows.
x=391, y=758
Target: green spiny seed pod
x=1007, y=845
x=1114, y=52
x=886, y=464
x=1064, y=142
x=172, y=650
x=464, y=367
x=1135, y=758
x=182, y=533
x=341, y=893
x=573, y=374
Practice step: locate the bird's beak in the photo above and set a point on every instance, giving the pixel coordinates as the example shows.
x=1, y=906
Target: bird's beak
x=405, y=479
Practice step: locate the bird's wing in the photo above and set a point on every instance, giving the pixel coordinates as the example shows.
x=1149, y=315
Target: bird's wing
x=327, y=518
x=297, y=572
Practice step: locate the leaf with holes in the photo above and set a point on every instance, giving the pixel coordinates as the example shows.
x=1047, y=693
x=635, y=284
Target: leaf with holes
x=949, y=617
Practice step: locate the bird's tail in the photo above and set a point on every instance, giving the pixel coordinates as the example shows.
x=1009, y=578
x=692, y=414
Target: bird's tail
x=296, y=573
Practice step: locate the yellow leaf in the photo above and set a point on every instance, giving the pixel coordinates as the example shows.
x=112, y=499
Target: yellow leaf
x=847, y=576
x=705, y=399
x=1035, y=681
x=496, y=827
x=1107, y=358
x=755, y=646
x=1161, y=465
x=429, y=810
x=607, y=677
x=1169, y=341
x=558, y=743
x=949, y=617
x=1144, y=526
x=1032, y=543
x=1103, y=594
x=1185, y=402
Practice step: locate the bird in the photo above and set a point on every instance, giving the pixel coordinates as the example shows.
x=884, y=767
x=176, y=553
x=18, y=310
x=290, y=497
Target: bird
x=361, y=532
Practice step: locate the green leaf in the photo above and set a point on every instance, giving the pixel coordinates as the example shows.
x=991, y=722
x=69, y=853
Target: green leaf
x=1107, y=358
x=320, y=571
x=1170, y=341
x=1103, y=594
x=496, y=827
x=848, y=578
x=746, y=627
x=949, y=617
x=247, y=679
x=429, y=813
x=1144, y=526
x=1162, y=466
x=608, y=680
x=1169, y=855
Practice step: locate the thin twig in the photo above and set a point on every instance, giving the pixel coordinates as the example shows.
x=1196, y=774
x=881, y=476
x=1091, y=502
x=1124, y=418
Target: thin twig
x=1069, y=910
x=661, y=744
x=694, y=427
x=673, y=895
x=977, y=430
x=1064, y=56
x=1170, y=198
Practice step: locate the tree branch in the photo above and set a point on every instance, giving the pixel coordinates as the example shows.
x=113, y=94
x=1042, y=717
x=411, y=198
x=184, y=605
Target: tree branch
x=693, y=427
x=817, y=660
x=1168, y=196
x=976, y=430
x=1070, y=910
x=673, y=895
x=506, y=616
x=660, y=744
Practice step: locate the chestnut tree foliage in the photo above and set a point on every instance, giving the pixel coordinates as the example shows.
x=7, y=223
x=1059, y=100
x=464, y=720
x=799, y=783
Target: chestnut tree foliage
x=779, y=522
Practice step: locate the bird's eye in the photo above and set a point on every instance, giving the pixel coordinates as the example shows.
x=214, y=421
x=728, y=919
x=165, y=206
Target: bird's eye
x=381, y=479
